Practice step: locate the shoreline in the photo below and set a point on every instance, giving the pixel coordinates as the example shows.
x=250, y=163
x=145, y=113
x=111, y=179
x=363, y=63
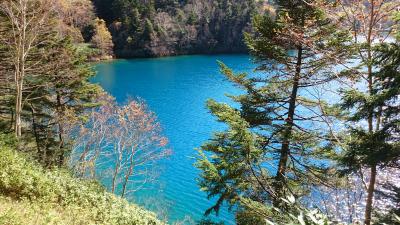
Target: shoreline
x=163, y=57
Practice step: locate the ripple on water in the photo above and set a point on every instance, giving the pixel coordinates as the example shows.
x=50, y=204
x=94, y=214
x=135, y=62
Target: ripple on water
x=176, y=89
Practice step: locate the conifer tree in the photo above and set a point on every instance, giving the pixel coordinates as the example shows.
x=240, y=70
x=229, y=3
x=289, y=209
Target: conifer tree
x=274, y=145
x=64, y=93
x=378, y=149
x=372, y=100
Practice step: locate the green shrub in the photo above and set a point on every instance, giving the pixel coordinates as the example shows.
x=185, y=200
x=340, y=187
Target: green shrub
x=8, y=140
x=56, y=197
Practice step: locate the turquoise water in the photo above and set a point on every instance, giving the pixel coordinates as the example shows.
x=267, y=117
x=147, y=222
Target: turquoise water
x=176, y=89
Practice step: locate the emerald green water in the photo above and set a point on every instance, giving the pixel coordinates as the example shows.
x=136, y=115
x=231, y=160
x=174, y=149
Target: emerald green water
x=176, y=89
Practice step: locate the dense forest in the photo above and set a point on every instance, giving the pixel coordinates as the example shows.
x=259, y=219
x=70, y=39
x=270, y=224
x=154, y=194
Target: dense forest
x=313, y=137
x=144, y=28
x=126, y=29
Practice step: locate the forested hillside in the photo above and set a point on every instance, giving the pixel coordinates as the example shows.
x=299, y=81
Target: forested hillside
x=142, y=28
x=77, y=20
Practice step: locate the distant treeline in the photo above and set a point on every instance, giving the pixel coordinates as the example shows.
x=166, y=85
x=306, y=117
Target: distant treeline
x=148, y=28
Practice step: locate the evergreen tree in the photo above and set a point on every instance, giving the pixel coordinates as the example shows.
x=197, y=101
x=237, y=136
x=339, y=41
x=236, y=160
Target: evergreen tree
x=372, y=101
x=148, y=30
x=275, y=143
x=104, y=9
x=378, y=148
x=64, y=95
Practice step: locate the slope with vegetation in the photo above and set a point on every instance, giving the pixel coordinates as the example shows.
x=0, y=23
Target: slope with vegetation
x=30, y=194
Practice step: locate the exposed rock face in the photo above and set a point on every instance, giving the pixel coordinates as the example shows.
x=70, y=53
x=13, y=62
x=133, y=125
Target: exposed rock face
x=146, y=28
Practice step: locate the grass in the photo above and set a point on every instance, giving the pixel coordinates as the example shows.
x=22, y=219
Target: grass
x=30, y=194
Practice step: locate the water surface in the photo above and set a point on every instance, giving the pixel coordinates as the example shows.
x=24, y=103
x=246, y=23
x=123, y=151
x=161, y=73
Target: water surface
x=176, y=89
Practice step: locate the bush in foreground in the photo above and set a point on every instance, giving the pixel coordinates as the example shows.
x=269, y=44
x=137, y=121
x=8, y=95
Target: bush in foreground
x=32, y=195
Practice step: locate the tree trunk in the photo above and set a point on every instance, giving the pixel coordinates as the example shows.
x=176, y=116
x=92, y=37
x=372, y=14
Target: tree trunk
x=20, y=68
x=18, y=106
x=12, y=119
x=128, y=174
x=370, y=197
x=114, y=179
x=116, y=172
x=371, y=186
x=60, y=132
x=285, y=149
x=35, y=133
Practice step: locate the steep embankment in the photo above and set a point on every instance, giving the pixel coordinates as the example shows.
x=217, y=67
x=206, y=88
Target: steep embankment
x=32, y=195
x=169, y=27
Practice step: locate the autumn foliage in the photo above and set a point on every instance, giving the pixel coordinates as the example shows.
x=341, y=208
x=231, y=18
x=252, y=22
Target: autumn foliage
x=121, y=143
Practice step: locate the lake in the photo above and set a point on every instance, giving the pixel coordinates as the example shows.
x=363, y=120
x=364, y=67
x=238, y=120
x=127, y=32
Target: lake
x=176, y=89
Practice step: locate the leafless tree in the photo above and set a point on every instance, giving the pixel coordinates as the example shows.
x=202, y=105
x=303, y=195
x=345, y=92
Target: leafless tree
x=27, y=22
x=124, y=140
